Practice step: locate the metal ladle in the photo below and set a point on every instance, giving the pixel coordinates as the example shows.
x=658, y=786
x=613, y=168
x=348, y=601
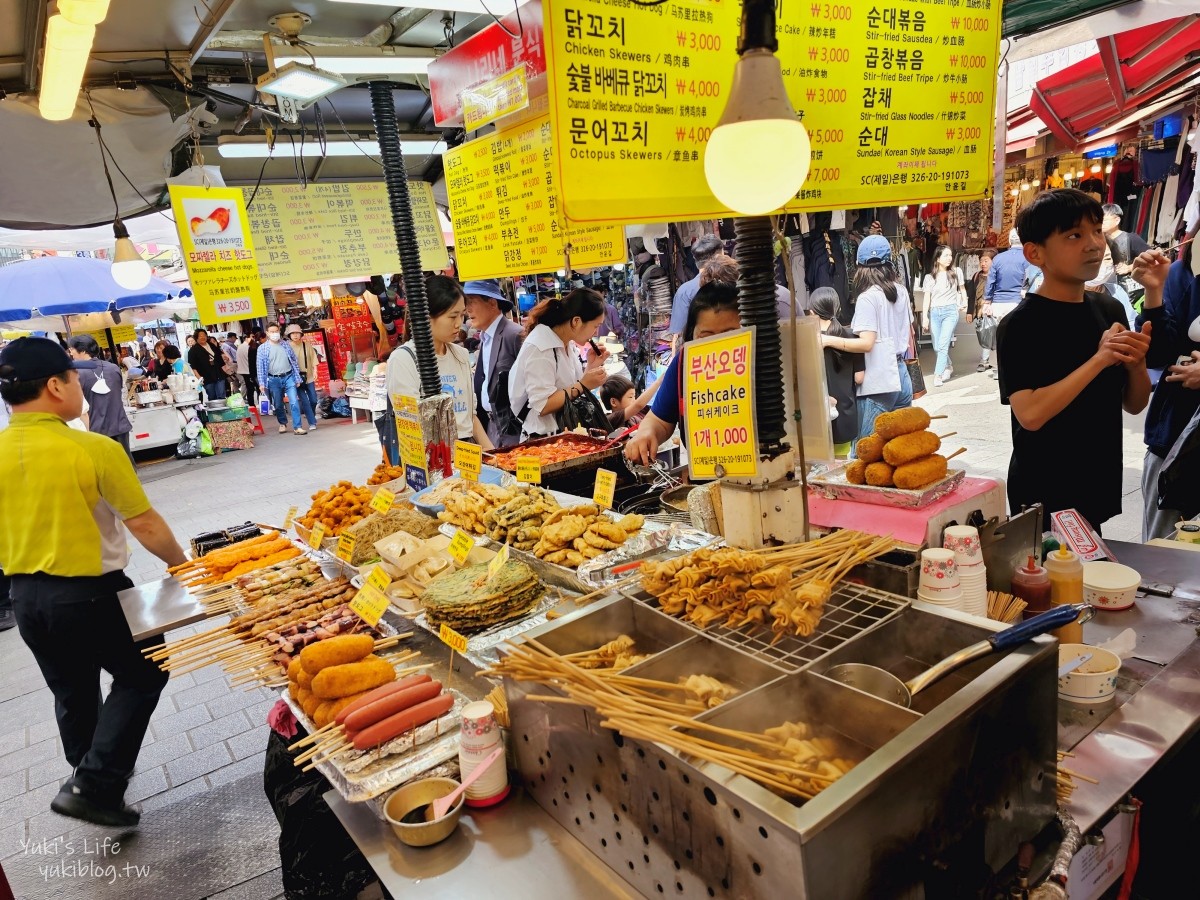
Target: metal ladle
x=886, y=686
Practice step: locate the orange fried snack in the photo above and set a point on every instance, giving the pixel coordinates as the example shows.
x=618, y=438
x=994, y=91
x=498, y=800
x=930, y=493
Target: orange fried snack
x=856, y=471
x=921, y=473
x=870, y=448
x=908, y=447
x=879, y=474
x=901, y=421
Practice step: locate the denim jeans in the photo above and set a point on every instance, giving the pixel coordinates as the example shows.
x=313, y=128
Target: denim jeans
x=75, y=628
x=215, y=389
x=870, y=406
x=943, y=320
x=277, y=385
x=308, y=401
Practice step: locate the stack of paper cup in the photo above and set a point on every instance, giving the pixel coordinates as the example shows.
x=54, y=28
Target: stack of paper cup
x=479, y=736
x=963, y=540
x=939, y=578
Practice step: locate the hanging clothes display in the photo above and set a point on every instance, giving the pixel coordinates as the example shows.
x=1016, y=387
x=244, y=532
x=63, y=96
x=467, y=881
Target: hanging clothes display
x=1156, y=165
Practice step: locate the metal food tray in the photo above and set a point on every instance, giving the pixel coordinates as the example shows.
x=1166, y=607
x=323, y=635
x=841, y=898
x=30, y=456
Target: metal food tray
x=552, y=574
x=655, y=541
x=832, y=485
x=435, y=743
x=852, y=610
x=588, y=459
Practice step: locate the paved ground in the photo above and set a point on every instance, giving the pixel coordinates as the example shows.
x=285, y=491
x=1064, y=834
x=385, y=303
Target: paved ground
x=206, y=733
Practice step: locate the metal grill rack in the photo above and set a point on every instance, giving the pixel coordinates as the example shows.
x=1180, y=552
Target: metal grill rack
x=852, y=610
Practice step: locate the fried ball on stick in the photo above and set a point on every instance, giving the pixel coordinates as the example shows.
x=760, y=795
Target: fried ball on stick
x=909, y=447
x=879, y=474
x=856, y=471
x=901, y=421
x=870, y=448
x=921, y=473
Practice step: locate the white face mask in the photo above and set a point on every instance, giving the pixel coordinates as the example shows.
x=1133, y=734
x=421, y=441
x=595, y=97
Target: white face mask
x=273, y=336
x=1194, y=330
x=100, y=386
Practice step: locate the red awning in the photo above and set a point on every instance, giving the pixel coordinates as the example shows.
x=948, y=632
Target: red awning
x=1131, y=69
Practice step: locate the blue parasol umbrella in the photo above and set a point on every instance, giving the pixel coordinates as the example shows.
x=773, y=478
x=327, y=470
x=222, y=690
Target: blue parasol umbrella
x=71, y=285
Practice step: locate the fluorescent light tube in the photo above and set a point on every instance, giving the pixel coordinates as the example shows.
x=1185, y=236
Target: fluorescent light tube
x=233, y=147
x=499, y=7
x=360, y=63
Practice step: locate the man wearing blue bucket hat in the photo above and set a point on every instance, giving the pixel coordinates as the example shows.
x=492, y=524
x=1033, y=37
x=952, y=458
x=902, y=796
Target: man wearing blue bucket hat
x=499, y=343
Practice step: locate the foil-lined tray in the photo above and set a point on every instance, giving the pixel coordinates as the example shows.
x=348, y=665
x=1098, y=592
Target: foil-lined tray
x=832, y=485
x=551, y=574
x=648, y=545
x=372, y=773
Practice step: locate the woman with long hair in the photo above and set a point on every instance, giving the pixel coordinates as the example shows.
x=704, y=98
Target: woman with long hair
x=547, y=373
x=945, y=300
x=883, y=320
x=447, y=307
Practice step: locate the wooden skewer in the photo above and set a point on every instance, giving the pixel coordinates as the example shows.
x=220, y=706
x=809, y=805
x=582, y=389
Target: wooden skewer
x=1073, y=774
x=942, y=437
x=956, y=453
x=314, y=736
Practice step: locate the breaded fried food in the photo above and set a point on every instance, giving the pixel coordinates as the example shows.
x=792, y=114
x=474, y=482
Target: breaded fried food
x=336, y=682
x=909, y=447
x=869, y=449
x=856, y=471
x=631, y=523
x=565, y=530
x=921, y=472
x=335, y=651
x=879, y=474
x=901, y=421
x=608, y=529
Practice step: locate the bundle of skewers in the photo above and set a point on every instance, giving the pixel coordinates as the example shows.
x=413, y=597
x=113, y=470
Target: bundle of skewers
x=360, y=702
x=792, y=758
x=265, y=583
x=786, y=587
x=1004, y=607
x=258, y=646
x=206, y=574
x=1064, y=782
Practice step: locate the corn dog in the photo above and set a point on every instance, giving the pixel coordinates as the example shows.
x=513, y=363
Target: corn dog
x=909, y=447
x=879, y=474
x=856, y=471
x=901, y=421
x=870, y=448
x=335, y=651
x=921, y=472
x=336, y=682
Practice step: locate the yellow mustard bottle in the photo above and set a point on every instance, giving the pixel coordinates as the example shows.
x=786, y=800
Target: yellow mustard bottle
x=1066, y=587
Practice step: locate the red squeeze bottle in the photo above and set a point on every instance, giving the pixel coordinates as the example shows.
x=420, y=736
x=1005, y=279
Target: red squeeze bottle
x=1031, y=583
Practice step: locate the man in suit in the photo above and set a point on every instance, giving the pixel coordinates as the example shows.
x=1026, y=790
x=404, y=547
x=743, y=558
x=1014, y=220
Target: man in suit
x=499, y=342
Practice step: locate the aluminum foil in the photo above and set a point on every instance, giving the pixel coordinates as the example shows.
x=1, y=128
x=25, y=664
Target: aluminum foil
x=367, y=775
x=674, y=540
x=832, y=485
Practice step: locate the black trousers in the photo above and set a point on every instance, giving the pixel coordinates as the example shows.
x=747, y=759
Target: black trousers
x=75, y=628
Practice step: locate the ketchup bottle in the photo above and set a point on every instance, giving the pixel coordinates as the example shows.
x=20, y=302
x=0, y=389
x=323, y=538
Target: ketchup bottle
x=1031, y=583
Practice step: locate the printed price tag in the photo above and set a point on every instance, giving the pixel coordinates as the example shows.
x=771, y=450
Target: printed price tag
x=460, y=547
x=606, y=487
x=718, y=380
x=379, y=578
x=529, y=469
x=369, y=604
x=497, y=562
x=416, y=477
x=452, y=639
x=317, y=535
x=290, y=517
x=468, y=459
x=345, y=547
x=407, y=406
x=383, y=500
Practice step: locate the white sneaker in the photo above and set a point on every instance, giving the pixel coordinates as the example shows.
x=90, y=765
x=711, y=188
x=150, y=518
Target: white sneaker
x=283, y=429
x=312, y=427
x=948, y=374
x=937, y=382
x=299, y=431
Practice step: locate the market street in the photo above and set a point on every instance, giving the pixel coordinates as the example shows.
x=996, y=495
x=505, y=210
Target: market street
x=206, y=734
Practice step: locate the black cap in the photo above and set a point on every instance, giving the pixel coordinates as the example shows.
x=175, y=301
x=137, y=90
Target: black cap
x=33, y=358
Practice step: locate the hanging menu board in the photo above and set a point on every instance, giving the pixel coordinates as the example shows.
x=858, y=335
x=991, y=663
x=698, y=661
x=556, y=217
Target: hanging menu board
x=504, y=202
x=337, y=231
x=898, y=97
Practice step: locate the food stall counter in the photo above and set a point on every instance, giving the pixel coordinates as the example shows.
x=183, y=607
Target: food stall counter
x=514, y=850
x=158, y=607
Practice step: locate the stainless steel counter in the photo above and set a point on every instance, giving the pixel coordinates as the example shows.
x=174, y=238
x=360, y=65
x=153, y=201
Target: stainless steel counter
x=512, y=851
x=159, y=606
x=1158, y=693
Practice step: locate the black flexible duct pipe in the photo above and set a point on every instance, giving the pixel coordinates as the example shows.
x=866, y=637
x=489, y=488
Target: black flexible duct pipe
x=756, y=304
x=383, y=113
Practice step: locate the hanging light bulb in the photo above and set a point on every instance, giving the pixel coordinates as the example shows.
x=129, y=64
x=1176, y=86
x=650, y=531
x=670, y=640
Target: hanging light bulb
x=1082, y=174
x=758, y=156
x=1014, y=192
x=1070, y=176
x=1096, y=169
x=1037, y=182
x=129, y=270
x=1024, y=185
x=1108, y=169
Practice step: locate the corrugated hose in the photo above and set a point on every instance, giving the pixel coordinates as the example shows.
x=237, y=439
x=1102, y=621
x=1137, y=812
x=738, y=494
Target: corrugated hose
x=756, y=304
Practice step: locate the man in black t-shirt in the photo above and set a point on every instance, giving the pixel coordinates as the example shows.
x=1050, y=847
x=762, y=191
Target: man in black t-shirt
x=1068, y=366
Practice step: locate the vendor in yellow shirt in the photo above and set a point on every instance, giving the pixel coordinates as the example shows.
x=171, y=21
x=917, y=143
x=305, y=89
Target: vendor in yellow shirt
x=65, y=494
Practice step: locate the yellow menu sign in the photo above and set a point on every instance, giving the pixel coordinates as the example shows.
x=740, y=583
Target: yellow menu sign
x=383, y=500
x=501, y=96
x=468, y=459
x=317, y=535
x=529, y=469
x=460, y=547
x=718, y=391
x=369, y=604
x=337, y=230
x=606, y=488
x=504, y=202
x=345, y=547
x=452, y=639
x=898, y=98
x=218, y=249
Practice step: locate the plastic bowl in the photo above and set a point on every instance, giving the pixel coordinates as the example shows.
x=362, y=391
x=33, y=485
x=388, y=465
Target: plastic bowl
x=1109, y=585
x=419, y=793
x=1092, y=683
